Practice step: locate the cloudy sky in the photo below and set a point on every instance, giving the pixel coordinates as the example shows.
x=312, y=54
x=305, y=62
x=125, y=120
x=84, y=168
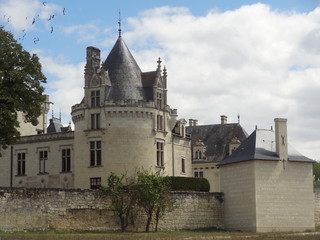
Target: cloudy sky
x=260, y=60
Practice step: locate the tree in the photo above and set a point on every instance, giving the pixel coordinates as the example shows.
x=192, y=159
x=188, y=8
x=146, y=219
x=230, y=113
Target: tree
x=123, y=197
x=153, y=196
x=20, y=87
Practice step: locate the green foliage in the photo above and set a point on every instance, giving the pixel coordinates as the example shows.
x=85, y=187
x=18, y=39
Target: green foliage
x=316, y=174
x=189, y=184
x=20, y=87
x=123, y=197
x=153, y=196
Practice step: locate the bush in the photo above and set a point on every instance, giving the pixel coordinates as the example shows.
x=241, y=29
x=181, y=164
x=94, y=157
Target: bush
x=189, y=184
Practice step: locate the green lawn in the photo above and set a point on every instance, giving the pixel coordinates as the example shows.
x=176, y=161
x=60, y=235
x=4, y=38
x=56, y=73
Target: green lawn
x=178, y=235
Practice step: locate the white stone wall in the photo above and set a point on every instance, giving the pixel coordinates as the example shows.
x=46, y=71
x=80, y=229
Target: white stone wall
x=284, y=196
x=238, y=185
x=267, y=196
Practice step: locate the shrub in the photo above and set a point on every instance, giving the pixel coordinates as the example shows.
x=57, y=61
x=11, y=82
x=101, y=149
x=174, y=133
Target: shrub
x=189, y=184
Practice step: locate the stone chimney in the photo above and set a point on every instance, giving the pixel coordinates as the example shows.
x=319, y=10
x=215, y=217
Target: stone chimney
x=190, y=122
x=224, y=119
x=195, y=122
x=281, y=138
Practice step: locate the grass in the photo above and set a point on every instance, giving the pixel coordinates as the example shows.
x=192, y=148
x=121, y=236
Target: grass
x=177, y=235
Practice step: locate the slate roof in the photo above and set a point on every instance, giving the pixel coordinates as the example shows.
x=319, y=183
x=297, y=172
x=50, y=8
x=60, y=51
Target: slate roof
x=216, y=138
x=56, y=126
x=124, y=74
x=260, y=145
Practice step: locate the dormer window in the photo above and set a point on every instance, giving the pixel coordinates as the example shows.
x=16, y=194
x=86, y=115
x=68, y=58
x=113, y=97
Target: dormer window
x=199, y=150
x=95, y=98
x=159, y=100
x=198, y=154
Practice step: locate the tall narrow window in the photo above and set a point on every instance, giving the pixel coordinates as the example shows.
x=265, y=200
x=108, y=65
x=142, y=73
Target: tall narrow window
x=95, y=153
x=95, y=121
x=66, y=160
x=160, y=154
x=95, y=98
x=95, y=183
x=159, y=100
x=159, y=122
x=21, y=164
x=183, y=165
x=198, y=154
x=43, y=158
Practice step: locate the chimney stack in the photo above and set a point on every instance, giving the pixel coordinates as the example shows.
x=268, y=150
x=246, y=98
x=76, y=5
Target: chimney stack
x=224, y=119
x=193, y=122
x=281, y=138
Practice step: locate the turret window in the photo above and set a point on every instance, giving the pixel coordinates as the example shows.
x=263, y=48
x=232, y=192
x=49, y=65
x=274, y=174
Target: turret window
x=160, y=154
x=95, y=153
x=159, y=122
x=95, y=98
x=159, y=100
x=95, y=121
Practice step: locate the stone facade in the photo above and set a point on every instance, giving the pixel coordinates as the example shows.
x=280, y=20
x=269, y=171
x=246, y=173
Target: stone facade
x=122, y=124
x=44, y=209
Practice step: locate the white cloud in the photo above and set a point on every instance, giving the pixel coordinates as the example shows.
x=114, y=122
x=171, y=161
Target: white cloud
x=253, y=61
x=65, y=84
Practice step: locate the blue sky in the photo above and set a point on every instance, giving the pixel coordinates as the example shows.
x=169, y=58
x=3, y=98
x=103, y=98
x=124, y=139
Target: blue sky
x=259, y=59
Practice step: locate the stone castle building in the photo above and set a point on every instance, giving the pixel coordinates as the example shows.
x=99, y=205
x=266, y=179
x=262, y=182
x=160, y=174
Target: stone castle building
x=124, y=123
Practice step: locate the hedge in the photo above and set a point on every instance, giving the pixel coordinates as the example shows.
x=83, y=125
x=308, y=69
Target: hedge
x=189, y=184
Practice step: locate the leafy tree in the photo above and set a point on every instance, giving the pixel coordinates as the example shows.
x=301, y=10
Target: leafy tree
x=20, y=87
x=316, y=174
x=153, y=196
x=123, y=197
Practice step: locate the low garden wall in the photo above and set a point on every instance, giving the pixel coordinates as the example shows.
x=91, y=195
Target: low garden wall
x=44, y=209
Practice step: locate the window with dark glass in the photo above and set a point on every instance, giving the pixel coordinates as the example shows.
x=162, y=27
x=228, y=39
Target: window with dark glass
x=66, y=160
x=183, y=165
x=21, y=164
x=159, y=122
x=95, y=153
x=198, y=174
x=95, y=121
x=95, y=98
x=160, y=154
x=43, y=158
x=159, y=100
x=95, y=183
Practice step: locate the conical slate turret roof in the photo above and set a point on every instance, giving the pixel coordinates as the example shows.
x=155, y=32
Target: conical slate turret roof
x=124, y=74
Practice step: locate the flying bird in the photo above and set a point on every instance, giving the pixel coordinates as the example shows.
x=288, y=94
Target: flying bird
x=35, y=40
x=51, y=30
x=64, y=11
x=34, y=20
x=44, y=3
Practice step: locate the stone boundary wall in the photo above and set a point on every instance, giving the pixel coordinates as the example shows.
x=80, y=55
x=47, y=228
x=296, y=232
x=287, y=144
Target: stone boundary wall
x=42, y=209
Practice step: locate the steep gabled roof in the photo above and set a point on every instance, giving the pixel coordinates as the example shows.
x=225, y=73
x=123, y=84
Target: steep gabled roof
x=216, y=138
x=260, y=145
x=124, y=74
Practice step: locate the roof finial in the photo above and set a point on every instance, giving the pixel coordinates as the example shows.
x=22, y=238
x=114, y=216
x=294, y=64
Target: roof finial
x=238, y=118
x=119, y=23
x=159, y=63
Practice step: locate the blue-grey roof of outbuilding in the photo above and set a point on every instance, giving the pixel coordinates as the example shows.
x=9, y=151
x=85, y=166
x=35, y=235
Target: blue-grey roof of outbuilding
x=124, y=74
x=260, y=145
x=216, y=138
